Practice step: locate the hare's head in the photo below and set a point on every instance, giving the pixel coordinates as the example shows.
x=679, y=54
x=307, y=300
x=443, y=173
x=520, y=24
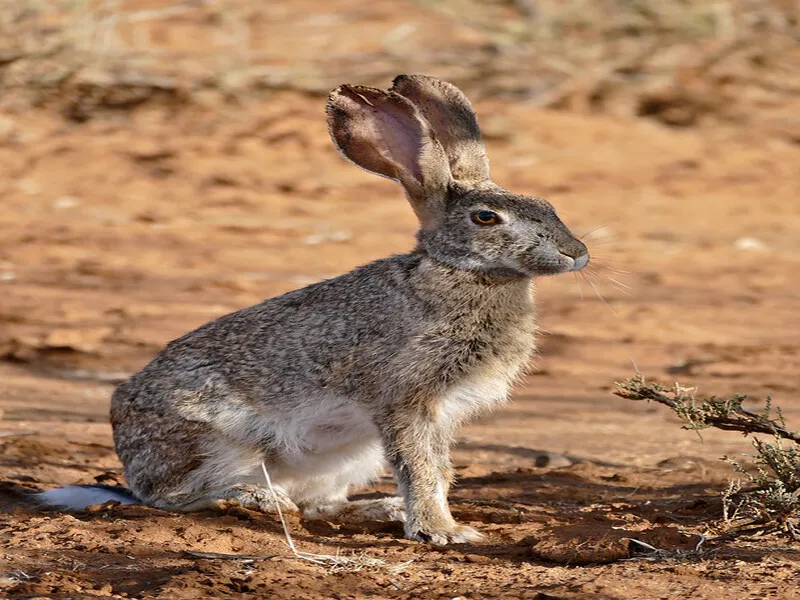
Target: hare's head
x=424, y=134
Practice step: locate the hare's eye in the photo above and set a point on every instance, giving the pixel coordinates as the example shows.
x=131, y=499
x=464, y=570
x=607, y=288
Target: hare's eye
x=485, y=217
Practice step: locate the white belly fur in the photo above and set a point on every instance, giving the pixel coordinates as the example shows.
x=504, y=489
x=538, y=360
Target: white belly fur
x=326, y=447
x=328, y=443
x=312, y=449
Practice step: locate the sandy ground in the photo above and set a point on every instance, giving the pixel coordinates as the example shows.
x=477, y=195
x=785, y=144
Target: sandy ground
x=123, y=232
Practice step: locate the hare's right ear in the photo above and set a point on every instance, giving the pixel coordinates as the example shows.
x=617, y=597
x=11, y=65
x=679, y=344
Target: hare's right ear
x=453, y=122
x=382, y=132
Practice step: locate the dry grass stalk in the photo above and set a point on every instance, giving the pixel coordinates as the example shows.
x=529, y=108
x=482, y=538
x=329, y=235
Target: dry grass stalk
x=336, y=563
x=640, y=550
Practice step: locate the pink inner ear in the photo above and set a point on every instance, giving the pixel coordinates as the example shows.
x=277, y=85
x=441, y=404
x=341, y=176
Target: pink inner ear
x=384, y=133
x=399, y=136
x=379, y=131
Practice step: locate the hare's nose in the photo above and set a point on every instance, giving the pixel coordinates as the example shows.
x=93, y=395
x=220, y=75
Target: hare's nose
x=580, y=261
x=577, y=251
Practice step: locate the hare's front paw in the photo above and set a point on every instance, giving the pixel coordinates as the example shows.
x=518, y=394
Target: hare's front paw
x=455, y=534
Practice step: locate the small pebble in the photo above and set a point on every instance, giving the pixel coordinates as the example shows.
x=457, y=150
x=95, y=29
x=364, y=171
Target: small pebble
x=66, y=202
x=749, y=243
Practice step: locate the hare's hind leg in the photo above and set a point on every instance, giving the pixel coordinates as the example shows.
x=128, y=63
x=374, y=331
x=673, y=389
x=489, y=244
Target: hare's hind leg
x=246, y=495
x=186, y=466
x=228, y=473
x=232, y=476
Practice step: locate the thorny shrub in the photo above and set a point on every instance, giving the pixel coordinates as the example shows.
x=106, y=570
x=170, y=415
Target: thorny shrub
x=769, y=494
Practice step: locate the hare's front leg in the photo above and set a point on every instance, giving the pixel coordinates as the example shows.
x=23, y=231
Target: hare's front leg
x=418, y=449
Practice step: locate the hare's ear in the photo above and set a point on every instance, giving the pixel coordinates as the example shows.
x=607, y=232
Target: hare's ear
x=382, y=132
x=453, y=122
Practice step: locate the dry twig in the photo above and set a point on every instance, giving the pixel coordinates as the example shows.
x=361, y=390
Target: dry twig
x=720, y=413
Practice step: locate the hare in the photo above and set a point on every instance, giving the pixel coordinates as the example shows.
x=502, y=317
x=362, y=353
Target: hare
x=326, y=383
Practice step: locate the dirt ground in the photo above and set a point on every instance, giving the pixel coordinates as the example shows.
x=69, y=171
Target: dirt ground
x=122, y=231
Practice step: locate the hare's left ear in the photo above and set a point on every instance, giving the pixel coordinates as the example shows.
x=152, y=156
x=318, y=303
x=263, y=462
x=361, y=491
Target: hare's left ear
x=383, y=133
x=453, y=122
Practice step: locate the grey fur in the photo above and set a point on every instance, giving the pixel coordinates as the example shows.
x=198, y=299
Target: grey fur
x=386, y=361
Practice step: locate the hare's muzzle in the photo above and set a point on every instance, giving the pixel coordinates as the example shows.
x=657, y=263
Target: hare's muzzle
x=576, y=251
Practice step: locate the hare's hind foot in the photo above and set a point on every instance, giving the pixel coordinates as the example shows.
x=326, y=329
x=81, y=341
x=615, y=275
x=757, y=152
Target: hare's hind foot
x=358, y=511
x=246, y=495
x=257, y=497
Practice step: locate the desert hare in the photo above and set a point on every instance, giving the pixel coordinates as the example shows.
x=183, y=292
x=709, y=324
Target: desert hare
x=327, y=383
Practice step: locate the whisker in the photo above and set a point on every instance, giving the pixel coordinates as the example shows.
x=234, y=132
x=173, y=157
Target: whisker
x=622, y=290
x=578, y=283
x=599, y=295
x=603, y=270
x=590, y=232
x=619, y=283
x=600, y=265
x=599, y=242
x=597, y=234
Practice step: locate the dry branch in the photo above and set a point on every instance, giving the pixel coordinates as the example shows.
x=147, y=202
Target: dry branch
x=721, y=413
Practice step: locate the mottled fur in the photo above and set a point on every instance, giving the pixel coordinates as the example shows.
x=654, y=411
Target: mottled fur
x=383, y=363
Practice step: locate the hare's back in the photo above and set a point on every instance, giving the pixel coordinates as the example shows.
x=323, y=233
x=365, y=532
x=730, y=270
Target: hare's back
x=294, y=344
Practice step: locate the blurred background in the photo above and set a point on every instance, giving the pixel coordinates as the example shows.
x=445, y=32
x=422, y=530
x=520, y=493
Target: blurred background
x=163, y=163
x=166, y=162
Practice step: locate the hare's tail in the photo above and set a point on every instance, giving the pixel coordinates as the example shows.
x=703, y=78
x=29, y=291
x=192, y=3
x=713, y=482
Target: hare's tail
x=77, y=497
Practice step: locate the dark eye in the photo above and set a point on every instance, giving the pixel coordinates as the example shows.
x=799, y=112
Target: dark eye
x=485, y=217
